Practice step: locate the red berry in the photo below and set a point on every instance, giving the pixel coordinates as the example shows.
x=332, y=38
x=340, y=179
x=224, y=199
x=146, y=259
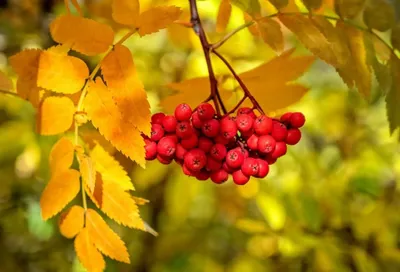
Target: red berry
x=187, y=171
x=206, y=111
x=286, y=118
x=183, y=112
x=190, y=142
x=169, y=123
x=263, y=125
x=184, y=129
x=297, y=119
x=195, y=159
x=166, y=147
x=202, y=175
x=164, y=160
x=196, y=121
x=205, y=144
x=280, y=150
x=227, y=168
x=221, y=140
x=234, y=158
x=293, y=136
x=247, y=110
x=219, y=176
x=173, y=137
x=218, y=152
x=157, y=118
x=279, y=131
x=151, y=150
x=157, y=132
x=180, y=152
x=213, y=164
x=239, y=178
x=263, y=168
x=244, y=122
x=266, y=144
x=228, y=128
x=210, y=128
x=270, y=160
x=252, y=142
x=250, y=167
x=243, y=151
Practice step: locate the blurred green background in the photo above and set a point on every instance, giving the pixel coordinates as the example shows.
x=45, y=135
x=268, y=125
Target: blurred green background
x=331, y=204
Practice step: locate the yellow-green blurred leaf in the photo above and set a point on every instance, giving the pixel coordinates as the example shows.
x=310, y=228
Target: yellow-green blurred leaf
x=393, y=97
x=273, y=211
x=395, y=37
x=5, y=83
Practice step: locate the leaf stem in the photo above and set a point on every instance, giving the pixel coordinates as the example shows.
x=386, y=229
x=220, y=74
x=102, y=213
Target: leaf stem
x=8, y=92
x=230, y=34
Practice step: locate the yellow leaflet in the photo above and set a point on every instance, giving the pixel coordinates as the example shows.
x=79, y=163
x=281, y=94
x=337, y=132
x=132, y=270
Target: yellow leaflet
x=125, y=12
x=61, y=73
x=5, y=83
x=28, y=90
x=88, y=170
x=349, y=8
x=271, y=33
x=61, y=155
x=110, y=169
x=193, y=91
x=106, y=117
x=379, y=15
x=224, y=14
x=104, y=238
x=87, y=253
x=120, y=74
x=269, y=81
x=252, y=28
x=157, y=18
x=71, y=221
x=55, y=115
x=61, y=189
x=92, y=38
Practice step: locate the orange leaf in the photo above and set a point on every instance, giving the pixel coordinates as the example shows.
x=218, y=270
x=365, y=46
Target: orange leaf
x=87, y=253
x=28, y=90
x=104, y=238
x=157, y=18
x=26, y=63
x=71, y=221
x=120, y=74
x=61, y=155
x=92, y=38
x=55, y=115
x=88, y=170
x=61, y=73
x=271, y=33
x=125, y=12
x=224, y=14
x=61, y=189
x=106, y=116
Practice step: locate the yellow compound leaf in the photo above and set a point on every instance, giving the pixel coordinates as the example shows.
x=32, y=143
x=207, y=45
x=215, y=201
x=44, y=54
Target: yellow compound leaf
x=104, y=238
x=224, y=14
x=395, y=38
x=55, y=115
x=379, y=15
x=61, y=155
x=92, y=38
x=120, y=74
x=61, y=189
x=71, y=221
x=88, y=170
x=125, y=12
x=349, y=8
x=5, y=83
x=157, y=18
x=106, y=117
x=87, y=253
x=61, y=73
x=269, y=84
x=110, y=169
x=271, y=33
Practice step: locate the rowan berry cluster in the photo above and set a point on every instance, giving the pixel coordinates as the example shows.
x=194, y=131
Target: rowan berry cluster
x=210, y=147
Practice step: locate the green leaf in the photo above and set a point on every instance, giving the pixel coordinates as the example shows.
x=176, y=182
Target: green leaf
x=43, y=230
x=393, y=97
x=252, y=7
x=349, y=8
x=366, y=185
x=379, y=15
x=311, y=212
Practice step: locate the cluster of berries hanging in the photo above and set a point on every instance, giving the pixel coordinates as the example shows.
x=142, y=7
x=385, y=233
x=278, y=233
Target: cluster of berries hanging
x=210, y=147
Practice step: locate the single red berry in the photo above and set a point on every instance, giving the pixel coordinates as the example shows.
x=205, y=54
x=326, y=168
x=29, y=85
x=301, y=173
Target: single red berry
x=279, y=131
x=195, y=159
x=183, y=112
x=151, y=149
x=202, y=175
x=244, y=122
x=252, y=142
x=226, y=167
x=206, y=111
x=244, y=151
x=196, y=121
x=234, y=158
x=240, y=178
x=190, y=142
x=263, y=125
x=172, y=136
x=221, y=140
x=247, y=110
x=263, y=168
x=228, y=128
x=297, y=119
x=286, y=118
x=169, y=123
x=266, y=144
x=157, y=132
x=293, y=136
x=211, y=128
x=157, y=118
x=280, y=150
x=213, y=164
x=166, y=147
x=187, y=171
x=250, y=167
x=219, y=176
x=180, y=152
x=218, y=151
x=184, y=129
x=164, y=160
x=205, y=144
x=228, y=117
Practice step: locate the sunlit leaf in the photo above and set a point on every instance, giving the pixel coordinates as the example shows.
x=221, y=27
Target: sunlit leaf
x=5, y=83
x=87, y=253
x=272, y=210
x=28, y=90
x=104, y=238
x=393, y=97
x=26, y=63
x=61, y=155
x=224, y=14
x=157, y=18
x=125, y=12
x=349, y=8
x=61, y=189
x=379, y=15
x=271, y=33
x=88, y=170
x=71, y=221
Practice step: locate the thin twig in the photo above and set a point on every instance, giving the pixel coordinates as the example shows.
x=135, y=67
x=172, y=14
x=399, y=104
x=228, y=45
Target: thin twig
x=8, y=92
